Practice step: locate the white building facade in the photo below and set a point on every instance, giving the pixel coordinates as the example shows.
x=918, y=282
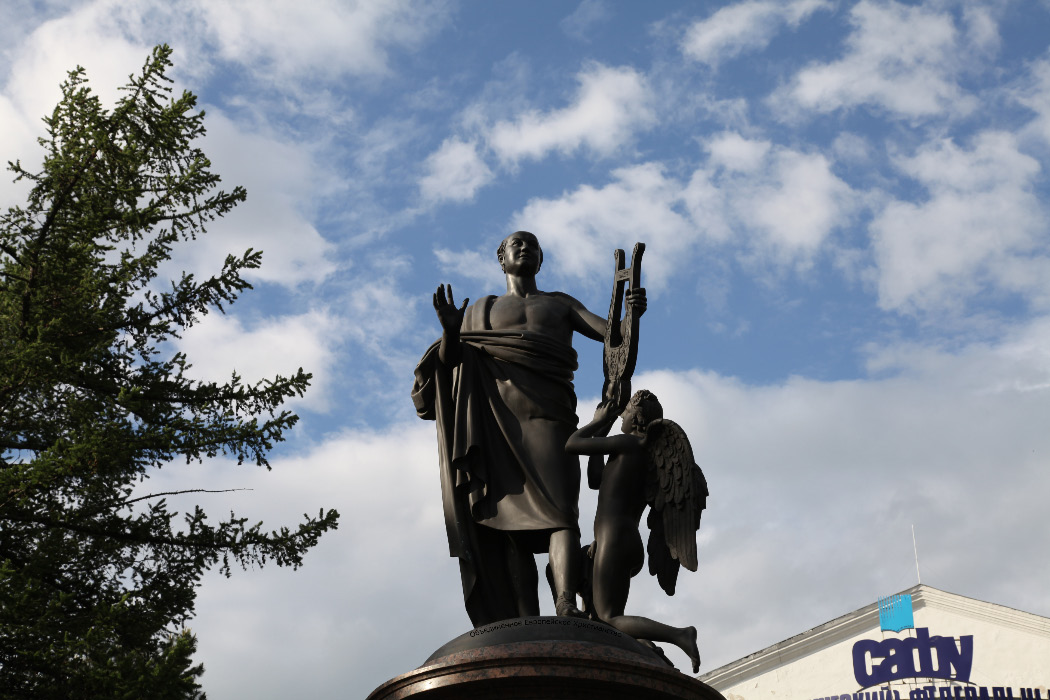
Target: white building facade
x=948, y=647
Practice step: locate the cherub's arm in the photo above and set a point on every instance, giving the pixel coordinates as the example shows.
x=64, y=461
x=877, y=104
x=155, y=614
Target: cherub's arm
x=588, y=440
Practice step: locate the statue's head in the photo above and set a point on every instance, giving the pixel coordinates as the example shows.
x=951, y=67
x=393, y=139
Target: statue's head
x=520, y=241
x=642, y=409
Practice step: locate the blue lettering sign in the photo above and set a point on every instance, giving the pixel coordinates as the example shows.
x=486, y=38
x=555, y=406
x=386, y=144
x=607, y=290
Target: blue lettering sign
x=912, y=657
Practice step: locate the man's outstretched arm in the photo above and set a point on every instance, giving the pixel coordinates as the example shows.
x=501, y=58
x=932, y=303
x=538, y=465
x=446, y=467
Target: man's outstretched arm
x=593, y=326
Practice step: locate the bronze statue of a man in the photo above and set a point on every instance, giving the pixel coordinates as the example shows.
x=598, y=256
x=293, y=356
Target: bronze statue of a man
x=499, y=385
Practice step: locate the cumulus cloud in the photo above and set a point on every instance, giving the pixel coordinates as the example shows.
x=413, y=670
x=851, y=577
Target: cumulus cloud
x=321, y=39
x=221, y=344
x=737, y=153
x=111, y=41
x=1035, y=95
x=103, y=37
x=587, y=15
x=325, y=40
x=772, y=204
x=580, y=228
x=778, y=204
x=981, y=26
x=796, y=206
x=380, y=309
x=745, y=26
x=471, y=265
x=283, y=179
x=903, y=59
x=385, y=333
x=980, y=230
x=454, y=172
x=610, y=106
x=1019, y=363
x=39, y=59
x=272, y=42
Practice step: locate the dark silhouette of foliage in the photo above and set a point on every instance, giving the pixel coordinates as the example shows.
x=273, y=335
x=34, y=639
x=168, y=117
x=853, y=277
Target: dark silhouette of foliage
x=97, y=576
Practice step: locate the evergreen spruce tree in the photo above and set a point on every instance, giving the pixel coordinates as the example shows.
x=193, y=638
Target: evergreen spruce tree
x=97, y=575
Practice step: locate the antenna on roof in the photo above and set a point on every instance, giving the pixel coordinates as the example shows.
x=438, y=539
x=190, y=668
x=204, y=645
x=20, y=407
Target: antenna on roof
x=916, y=548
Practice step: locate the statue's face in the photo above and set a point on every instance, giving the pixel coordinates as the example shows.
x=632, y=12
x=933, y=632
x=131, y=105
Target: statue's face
x=631, y=418
x=521, y=254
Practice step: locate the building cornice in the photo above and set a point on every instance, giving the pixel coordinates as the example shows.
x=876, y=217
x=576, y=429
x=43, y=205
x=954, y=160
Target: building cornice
x=980, y=610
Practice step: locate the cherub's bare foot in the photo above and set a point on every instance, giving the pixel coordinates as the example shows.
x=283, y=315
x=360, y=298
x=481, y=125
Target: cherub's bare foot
x=692, y=650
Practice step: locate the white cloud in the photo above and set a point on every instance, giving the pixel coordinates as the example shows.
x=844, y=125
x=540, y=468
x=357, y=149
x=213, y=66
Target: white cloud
x=50, y=45
x=899, y=58
x=323, y=39
x=110, y=40
x=103, y=37
x=283, y=180
x=378, y=150
x=611, y=104
x=769, y=203
x=734, y=152
x=454, y=172
x=797, y=207
x=471, y=265
x=580, y=229
x=981, y=230
x=1019, y=363
x=587, y=15
x=385, y=333
x=745, y=26
x=780, y=204
x=1036, y=96
x=982, y=29
x=379, y=309
x=220, y=344
x=851, y=148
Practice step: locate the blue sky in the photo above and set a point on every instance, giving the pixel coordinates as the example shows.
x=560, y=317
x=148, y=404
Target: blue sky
x=845, y=208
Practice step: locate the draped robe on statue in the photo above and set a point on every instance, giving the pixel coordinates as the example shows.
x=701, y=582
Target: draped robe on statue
x=503, y=416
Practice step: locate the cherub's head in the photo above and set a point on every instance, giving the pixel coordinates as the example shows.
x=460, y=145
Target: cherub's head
x=642, y=409
x=524, y=248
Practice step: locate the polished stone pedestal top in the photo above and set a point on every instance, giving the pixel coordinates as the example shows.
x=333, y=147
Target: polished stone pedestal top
x=546, y=629
x=544, y=657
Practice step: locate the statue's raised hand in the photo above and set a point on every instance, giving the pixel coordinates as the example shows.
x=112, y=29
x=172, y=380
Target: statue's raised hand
x=451, y=318
x=636, y=300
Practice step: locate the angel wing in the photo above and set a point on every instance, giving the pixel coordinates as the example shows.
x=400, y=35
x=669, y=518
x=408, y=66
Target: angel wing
x=676, y=492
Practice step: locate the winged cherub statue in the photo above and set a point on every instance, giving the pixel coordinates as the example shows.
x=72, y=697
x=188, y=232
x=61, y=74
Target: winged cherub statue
x=650, y=464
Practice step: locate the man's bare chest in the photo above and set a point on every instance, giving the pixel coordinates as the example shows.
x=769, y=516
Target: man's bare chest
x=539, y=312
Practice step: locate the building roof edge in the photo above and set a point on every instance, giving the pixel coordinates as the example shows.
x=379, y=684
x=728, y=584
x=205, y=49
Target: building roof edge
x=856, y=622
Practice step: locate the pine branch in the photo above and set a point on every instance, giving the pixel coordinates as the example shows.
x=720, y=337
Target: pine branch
x=179, y=493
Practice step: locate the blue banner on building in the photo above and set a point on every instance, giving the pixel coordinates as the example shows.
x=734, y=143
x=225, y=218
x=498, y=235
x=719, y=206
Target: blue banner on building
x=895, y=613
